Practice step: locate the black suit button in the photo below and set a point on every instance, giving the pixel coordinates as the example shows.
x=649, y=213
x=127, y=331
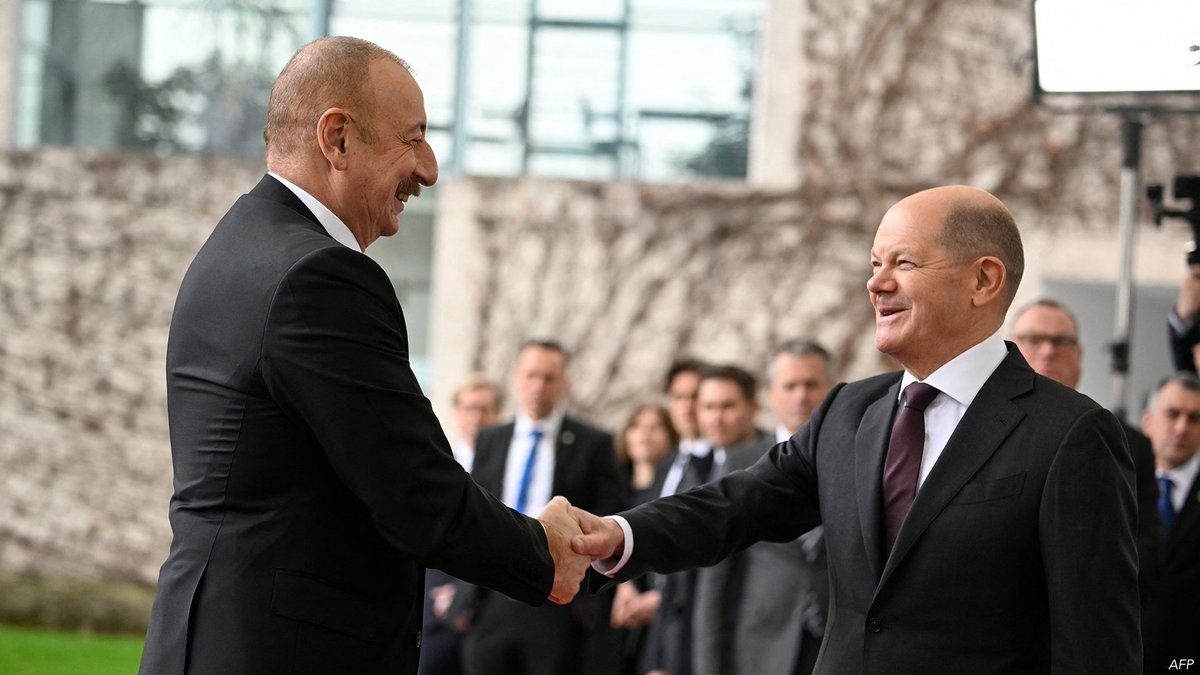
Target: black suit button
x=874, y=624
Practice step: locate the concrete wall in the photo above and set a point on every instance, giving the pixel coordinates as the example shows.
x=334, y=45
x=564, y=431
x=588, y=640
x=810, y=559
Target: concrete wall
x=92, y=248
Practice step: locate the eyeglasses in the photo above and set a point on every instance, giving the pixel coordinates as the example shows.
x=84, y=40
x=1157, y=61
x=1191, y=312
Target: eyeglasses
x=1037, y=340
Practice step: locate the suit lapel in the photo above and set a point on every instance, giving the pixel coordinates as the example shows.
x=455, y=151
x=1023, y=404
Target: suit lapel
x=491, y=473
x=563, y=445
x=870, y=449
x=989, y=420
x=1188, y=518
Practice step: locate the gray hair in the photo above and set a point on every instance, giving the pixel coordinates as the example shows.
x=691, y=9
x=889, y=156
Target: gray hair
x=799, y=348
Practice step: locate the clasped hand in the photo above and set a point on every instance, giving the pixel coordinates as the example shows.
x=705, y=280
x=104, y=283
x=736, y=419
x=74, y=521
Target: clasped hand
x=576, y=538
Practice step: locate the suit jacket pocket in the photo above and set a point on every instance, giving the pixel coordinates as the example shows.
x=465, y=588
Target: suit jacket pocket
x=988, y=491
x=305, y=598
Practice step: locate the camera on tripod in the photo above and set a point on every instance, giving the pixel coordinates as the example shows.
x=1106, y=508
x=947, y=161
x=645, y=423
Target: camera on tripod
x=1186, y=187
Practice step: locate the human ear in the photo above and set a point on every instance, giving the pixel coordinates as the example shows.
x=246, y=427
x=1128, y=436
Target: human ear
x=989, y=276
x=333, y=130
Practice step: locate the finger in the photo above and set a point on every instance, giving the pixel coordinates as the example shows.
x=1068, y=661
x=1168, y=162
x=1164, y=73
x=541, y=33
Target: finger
x=597, y=546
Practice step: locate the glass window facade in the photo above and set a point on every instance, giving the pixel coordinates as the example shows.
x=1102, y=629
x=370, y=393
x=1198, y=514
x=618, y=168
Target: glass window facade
x=652, y=90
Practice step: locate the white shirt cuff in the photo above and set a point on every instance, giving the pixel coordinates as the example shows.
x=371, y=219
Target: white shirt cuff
x=607, y=567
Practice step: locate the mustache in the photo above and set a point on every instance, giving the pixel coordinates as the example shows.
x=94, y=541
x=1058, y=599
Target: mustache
x=410, y=187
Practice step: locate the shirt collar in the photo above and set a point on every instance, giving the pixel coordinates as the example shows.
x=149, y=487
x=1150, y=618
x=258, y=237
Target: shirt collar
x=1183, y=475
x=696, y=446
x=548, y=426
x=332, y=224
x=781, y=434
x=963, y=376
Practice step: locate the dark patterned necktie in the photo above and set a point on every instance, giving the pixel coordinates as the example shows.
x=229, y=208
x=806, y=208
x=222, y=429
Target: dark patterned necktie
x=904, y=457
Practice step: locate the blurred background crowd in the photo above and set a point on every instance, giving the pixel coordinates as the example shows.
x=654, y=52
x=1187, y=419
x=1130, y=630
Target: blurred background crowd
x=625, y=183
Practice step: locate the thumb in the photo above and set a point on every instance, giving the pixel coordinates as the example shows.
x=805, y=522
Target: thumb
x=593, y=545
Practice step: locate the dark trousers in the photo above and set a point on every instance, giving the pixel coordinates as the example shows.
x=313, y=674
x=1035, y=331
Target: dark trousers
x=512, y=638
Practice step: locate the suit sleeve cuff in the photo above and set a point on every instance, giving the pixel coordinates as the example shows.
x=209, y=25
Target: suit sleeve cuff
x=609, y=568
x=1178, y=324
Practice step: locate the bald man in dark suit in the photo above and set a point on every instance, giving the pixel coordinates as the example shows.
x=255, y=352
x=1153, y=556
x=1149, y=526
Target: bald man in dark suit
x=979, y=518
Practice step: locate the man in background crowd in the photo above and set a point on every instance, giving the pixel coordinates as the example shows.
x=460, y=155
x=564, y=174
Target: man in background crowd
x=1048, y=336
x=726, y=405
x=745, y=622
x=475, y=404
x=543, y=452
x=1171, y=612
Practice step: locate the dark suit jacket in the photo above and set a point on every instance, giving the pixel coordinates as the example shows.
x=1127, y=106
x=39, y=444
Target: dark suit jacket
x=1017, y=556
x=312, y=479
x=586, y=473
x=1181, y=345
x=1149, y=529
x=1171, y=618
x=585, y=465
x=754, y=608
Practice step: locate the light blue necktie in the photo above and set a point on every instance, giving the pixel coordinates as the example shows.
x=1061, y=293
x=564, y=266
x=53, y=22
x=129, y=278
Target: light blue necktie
x=1165, y=506
x=527, y=475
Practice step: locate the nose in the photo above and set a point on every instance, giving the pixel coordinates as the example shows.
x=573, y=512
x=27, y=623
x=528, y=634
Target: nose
x=426, y=172
x=880, y=281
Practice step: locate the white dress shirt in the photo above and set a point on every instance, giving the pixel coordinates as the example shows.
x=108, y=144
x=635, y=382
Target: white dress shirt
x=687, y=448
x=1182, y=476
x=541, y=484
x=332, y=224
x=959, y=381
x=782, y=434
x=464, y=455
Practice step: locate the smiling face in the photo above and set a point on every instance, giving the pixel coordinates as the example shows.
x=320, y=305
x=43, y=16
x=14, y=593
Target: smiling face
x=388, y=159
x=923, y=296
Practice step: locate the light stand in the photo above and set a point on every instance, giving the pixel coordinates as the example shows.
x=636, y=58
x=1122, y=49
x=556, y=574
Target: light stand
x=1131, y=145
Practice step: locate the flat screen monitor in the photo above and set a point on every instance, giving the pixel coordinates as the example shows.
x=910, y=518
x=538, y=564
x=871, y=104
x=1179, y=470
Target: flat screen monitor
x=1117, y=46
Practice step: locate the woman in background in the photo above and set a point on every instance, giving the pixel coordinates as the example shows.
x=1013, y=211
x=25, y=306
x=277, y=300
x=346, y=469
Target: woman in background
x=645, y=440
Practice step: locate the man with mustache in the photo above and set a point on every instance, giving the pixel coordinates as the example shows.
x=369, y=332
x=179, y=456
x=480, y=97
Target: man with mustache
x=313, y=482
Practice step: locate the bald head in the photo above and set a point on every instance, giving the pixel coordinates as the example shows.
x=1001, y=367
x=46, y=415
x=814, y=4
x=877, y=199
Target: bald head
x=332, y=72
x=975, y=224
x=946, y=263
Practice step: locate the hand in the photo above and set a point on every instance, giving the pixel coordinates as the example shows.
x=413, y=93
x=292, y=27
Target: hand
x=601, y=538
x=633, y=609
x=624, y=596
x=644, y=608
x=561, y=530
x=1188, y=303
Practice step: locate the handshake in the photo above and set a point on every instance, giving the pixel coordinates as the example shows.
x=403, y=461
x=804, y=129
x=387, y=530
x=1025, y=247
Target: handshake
x=576, y=538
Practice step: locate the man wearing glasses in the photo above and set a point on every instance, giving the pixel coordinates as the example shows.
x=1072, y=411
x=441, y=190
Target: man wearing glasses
x=1048, y=337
